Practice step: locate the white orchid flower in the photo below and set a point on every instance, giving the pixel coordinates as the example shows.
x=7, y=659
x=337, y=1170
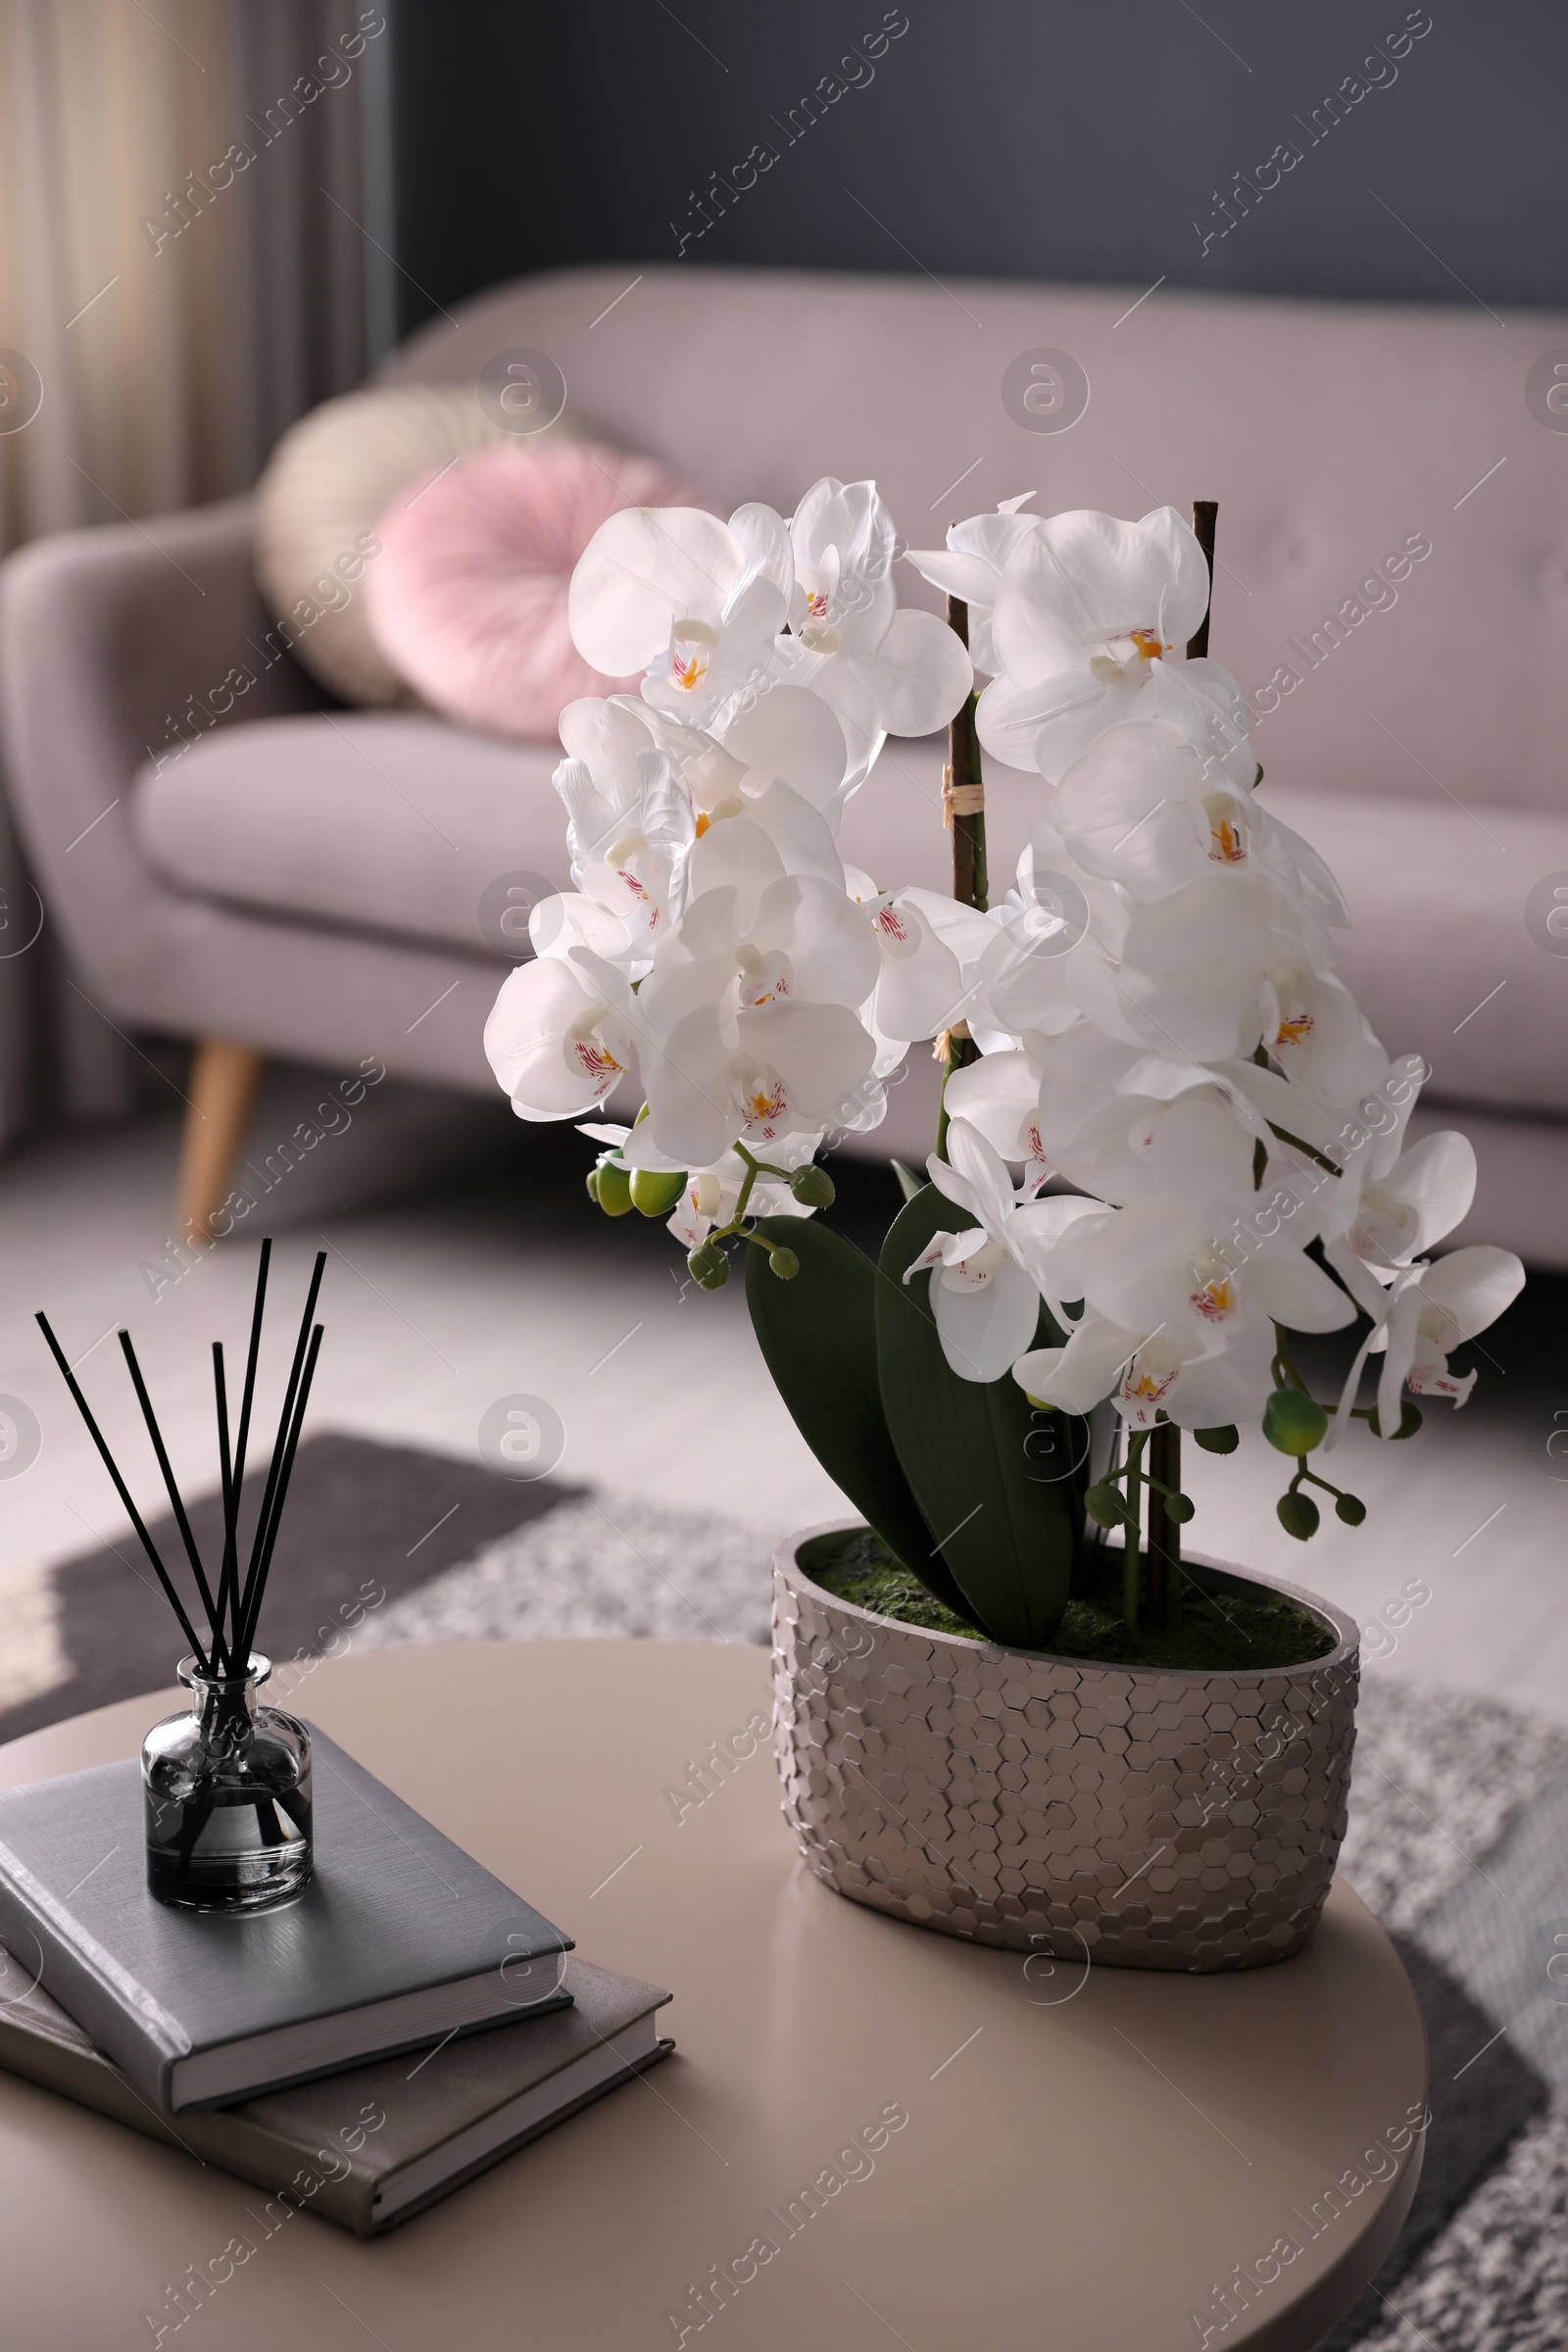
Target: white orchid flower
x=692, y=603
x=972, y=563
x=1181, y=1304
x=1048, y=728
x=604, y=739
x=1430, y=1311
x=1048, y=929
x=1087, y=588
x=560, y=1034
x=1188, y=1266
x=747, y=1021
x=1149, y=1377
x=757, y=1077
x=1435, y=1309
x=1128, y=1126
x=919, y=988
x=842, y=540
x=1317, y=1033
x=1088, y=612
x=1138, y=809
x=1380, y=1220
x=640, y=874
x=882, y=670
x=999, y=1096
x=987, y=1282
x=969, y=936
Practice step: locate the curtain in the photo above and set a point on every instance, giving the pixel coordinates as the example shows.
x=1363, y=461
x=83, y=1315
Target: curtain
x=183, y=249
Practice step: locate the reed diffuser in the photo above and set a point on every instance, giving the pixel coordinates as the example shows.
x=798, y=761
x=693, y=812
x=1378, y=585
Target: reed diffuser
x=228, y=1783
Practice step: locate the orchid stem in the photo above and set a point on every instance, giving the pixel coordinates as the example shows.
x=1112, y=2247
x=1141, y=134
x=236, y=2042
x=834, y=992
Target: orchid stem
x=1131, y=1561
x=1164, y=1531
x=1323, y=1161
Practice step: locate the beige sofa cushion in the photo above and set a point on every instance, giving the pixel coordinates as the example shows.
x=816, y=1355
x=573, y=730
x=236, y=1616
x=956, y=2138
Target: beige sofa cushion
x=383, y=822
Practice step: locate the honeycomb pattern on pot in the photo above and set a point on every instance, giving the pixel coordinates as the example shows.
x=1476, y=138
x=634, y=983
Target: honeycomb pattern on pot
x=1133, y=1818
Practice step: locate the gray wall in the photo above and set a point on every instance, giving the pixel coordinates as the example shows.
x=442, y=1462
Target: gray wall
x=1013, y=138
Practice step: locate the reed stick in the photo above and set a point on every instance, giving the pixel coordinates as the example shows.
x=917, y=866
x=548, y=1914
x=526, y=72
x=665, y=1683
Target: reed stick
x=270, y=1491
x=123, y=1492
x=229, y=1586
x=225, y=1476
x=176, y=1501
x=265, y=1567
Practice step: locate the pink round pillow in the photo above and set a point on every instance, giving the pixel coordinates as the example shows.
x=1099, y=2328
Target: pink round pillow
x=467, y=599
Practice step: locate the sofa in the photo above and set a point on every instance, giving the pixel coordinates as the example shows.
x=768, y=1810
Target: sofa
x=230, y=856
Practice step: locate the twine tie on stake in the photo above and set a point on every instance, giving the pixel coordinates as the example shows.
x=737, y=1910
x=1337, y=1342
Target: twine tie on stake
x=960, y=800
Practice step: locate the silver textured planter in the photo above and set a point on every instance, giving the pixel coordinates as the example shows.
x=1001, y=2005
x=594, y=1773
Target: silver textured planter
x=1134, y=1817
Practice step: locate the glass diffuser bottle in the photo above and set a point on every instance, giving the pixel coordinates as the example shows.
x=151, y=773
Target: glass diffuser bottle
x=227, y=1788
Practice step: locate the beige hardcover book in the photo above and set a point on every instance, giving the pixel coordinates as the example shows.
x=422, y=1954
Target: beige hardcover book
x=371, y=2145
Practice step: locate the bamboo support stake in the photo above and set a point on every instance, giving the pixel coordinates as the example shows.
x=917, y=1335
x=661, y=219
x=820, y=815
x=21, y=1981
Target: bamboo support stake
x=1166, y=1448
x=964, y=812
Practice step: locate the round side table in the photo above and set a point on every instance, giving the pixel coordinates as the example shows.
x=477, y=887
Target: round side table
x=868, y=2134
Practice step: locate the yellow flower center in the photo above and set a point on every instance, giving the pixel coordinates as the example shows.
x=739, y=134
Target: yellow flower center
x=691, y=650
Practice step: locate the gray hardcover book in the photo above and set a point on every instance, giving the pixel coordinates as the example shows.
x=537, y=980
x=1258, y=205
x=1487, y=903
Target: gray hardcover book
x=400, y=1940
x=369, y=2146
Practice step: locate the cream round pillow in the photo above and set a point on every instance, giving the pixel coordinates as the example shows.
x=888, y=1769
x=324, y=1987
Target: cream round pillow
x=326, y=487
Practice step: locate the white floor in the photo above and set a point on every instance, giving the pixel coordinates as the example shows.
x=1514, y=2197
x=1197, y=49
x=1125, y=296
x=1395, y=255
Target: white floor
x=438, y=1306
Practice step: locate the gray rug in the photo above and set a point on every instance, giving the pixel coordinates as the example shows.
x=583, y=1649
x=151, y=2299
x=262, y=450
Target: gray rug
x=1459, y=1836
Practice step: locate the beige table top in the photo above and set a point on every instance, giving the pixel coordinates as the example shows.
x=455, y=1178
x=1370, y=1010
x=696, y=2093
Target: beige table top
x=1087, y=2155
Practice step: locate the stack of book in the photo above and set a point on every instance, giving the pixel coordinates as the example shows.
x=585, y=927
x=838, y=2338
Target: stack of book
x=363, y=2050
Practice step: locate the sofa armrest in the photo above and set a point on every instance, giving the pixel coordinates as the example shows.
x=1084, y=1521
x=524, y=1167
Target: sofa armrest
x=117, y=646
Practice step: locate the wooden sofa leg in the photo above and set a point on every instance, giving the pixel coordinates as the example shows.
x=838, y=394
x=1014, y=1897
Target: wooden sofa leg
x=223, y=1078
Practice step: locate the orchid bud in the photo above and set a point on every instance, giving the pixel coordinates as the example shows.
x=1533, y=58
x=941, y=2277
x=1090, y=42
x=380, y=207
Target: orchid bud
x=1352, y=1509
x=1106, y=1505
x=1297, y=1515
x=1218, y=1440
x=784, y=1264
x=654, y=1192
x=813, y=1187
x=707, y=1266
x=1179, y=1507
x=1294, y=1424
x=614, y=1193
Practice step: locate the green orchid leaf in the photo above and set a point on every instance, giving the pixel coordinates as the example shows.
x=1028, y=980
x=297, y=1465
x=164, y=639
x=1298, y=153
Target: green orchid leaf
x=999, y=1481
x=817, y=1333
